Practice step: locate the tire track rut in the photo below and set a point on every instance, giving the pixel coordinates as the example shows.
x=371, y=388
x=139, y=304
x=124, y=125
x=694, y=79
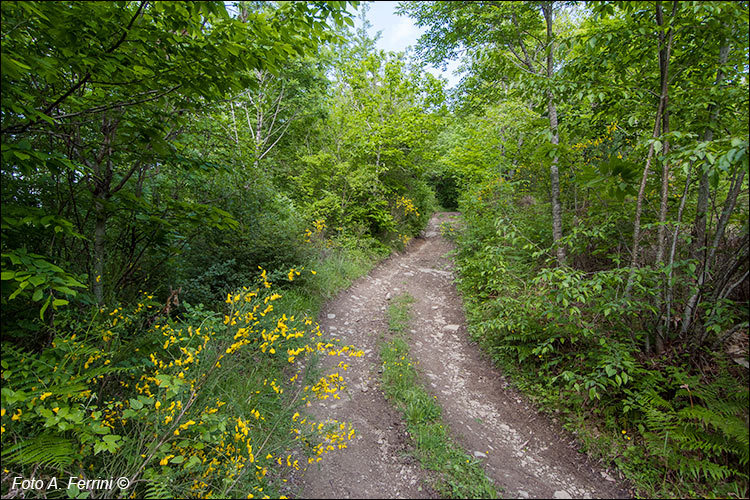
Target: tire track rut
x=526, y=454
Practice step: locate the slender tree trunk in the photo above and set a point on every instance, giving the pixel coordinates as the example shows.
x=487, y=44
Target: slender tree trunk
x=236, y=134
x=664, y=200
x=663, y=327
x=729, y=204
x=639, y=201
x=662, y=108
x=670, y=281
x=553, y=125
x=699, y=246
x=663, y=65
x=517, y=156
x=259, y=118
x=100, y=229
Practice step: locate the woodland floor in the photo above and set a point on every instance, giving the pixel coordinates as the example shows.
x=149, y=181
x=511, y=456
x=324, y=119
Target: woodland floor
x=525, y=453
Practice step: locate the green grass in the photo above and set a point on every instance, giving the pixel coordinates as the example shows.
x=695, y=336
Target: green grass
x=398, y=313
x=459, y=475
x=334, y=273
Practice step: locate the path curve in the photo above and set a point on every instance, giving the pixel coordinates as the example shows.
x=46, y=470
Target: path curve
x=526, y=454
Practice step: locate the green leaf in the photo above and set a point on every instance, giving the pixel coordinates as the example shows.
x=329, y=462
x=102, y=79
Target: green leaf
x=108, y=443
x=44, y=308
x=99, y=428
x=37, y=280
x=73, y=491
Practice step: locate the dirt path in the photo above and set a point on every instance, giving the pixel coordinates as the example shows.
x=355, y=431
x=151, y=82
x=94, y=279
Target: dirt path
x=525, y=454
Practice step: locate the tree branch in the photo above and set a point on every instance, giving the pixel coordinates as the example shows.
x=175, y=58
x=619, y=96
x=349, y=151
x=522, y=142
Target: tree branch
x=81, y=82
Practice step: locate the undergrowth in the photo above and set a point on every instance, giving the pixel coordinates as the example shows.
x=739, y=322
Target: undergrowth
x=676, y=425
x=203, y=404
x=459, y=474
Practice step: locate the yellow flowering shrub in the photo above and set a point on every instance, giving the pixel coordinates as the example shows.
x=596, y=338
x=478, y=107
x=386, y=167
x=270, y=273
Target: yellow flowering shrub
x=206, y=404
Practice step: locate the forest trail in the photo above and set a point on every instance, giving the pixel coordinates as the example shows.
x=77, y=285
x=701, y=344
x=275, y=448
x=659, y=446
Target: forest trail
x=525, y=453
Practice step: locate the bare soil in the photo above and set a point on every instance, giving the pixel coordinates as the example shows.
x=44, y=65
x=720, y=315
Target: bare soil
x=525, y=453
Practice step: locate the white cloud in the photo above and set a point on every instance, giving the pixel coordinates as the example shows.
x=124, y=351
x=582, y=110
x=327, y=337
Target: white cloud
x=400, y=35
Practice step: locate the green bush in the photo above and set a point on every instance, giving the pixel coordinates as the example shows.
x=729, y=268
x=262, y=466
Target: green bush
x=204, y=405
x=574, y=339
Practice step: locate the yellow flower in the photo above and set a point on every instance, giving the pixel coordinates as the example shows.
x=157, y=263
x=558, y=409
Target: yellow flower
x=44, y=396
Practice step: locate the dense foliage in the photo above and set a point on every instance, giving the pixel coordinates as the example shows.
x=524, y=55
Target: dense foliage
x=183, y=184
x=632, y=321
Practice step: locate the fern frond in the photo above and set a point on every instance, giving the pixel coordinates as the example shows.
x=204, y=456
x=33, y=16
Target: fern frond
x=705, y=468
x=157, y=490
x=52, y=451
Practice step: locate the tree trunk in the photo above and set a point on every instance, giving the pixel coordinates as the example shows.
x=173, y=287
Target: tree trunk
x=729, y=204
x=699, y=246
x=662, y=328
x=639, y=201
x=670, y=282
x=662, y=108
x=554, y=172
x=236, y=134
x=99, y=237
x=663, y=71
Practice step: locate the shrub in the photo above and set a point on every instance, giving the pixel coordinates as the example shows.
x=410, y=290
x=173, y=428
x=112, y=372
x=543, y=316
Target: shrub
x=574, y=340
x=200, y=406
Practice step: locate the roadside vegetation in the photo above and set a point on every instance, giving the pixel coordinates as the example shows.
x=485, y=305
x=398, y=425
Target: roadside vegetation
x=184, y=184
x=603, y=258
